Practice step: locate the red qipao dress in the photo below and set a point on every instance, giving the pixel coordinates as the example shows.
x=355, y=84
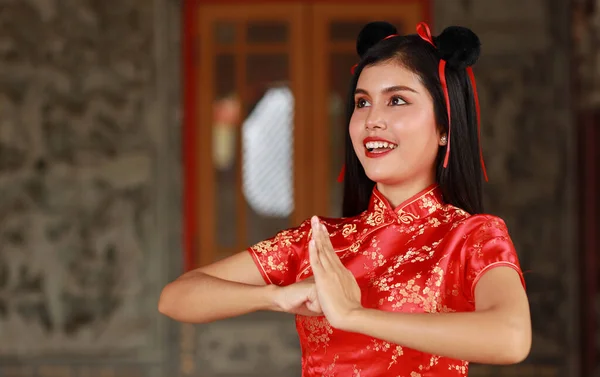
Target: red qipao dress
x=424, y=256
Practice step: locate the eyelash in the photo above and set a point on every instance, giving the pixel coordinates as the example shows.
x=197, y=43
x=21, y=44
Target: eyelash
x=359, y=100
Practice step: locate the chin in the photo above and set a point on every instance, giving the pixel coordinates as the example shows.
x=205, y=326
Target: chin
x=381, y=177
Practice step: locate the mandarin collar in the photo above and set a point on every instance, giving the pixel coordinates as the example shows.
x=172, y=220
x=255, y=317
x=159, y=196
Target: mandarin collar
x=416, y=207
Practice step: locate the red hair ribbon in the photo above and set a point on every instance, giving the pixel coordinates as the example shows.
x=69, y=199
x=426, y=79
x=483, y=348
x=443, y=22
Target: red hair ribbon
x=425, y=34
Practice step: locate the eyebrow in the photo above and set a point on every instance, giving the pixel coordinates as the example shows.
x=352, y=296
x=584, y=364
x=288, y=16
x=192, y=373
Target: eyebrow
x=390, y=89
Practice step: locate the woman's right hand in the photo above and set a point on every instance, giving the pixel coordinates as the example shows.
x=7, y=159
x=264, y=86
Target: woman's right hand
x=299, y=298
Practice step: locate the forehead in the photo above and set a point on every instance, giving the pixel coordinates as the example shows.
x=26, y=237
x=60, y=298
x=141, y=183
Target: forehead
x=384, y=75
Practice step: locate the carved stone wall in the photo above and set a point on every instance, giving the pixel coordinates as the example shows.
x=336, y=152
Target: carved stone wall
x=586, y=49
x=89, y=184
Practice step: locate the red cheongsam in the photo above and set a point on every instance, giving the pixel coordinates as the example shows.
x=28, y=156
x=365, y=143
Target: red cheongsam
x=424, y=256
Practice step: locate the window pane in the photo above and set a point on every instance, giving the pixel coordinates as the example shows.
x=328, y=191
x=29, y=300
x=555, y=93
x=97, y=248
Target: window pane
x=267, y=147
x=267, y=32
x=224, y=33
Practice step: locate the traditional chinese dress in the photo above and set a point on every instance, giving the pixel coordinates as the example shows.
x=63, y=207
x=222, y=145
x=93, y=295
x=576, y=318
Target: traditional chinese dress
x=424, y=256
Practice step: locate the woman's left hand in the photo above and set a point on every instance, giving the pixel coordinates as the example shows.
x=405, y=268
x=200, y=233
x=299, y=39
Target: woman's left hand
x=337, y=289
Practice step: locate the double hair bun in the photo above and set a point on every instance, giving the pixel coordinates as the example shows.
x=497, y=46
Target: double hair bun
x=458, y=46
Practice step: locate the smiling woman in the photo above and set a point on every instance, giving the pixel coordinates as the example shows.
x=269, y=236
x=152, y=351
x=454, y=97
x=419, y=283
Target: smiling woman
x=414, y=280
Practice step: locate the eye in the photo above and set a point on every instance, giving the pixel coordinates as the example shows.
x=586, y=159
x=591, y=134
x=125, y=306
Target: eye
x=397, y=101
x=361, y=102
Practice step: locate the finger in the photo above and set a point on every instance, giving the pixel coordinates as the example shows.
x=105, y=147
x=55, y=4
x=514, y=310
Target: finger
x=327, y=255
x=313, y=302
x=317, y=239
x=314, y=307
x=335, y=259
x=313, y=256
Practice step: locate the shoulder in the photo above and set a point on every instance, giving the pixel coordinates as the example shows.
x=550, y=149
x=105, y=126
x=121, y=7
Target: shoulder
x=475, y=230
x=482, y=227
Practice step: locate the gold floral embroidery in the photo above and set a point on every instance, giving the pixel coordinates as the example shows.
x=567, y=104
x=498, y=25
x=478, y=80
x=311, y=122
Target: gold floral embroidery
x=376, y=216
x=462, y=368
x=270, y=249
x=355, y=247
x=406, y=217
x=348, y=230
x=395, y=355
x=330, y=370
x=433, y=361
x=434, y=222
x=318, y=330
x=430, y=204
x=374, y=254
x=383, y=346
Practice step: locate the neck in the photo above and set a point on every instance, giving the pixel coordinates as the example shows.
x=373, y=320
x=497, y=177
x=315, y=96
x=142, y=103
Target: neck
x=397, y=194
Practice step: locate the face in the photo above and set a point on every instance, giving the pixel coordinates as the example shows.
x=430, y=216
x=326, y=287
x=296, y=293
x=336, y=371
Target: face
x=393, y=128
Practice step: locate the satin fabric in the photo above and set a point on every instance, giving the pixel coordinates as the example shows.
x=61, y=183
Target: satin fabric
x=423, y=256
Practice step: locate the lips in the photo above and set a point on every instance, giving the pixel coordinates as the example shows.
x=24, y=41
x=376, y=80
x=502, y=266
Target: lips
x=378, y=147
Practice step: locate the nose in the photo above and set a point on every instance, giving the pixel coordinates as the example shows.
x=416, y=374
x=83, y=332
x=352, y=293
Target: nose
x=375, y=120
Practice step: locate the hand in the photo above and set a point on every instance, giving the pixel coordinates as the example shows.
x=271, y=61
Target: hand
x=337, y=289
x=299, y=298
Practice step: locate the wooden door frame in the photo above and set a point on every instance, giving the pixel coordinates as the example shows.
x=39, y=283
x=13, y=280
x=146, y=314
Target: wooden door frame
x=191, y=142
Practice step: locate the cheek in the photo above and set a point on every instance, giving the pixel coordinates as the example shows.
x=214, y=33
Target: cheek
x=355, y=128
x=417, y=133
x=419, y=124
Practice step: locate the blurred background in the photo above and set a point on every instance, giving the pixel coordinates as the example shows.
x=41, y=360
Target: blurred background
x=139, y=139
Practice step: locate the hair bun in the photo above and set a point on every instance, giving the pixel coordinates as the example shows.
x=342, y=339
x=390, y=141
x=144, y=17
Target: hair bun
x=458, y=46
x=371, y=34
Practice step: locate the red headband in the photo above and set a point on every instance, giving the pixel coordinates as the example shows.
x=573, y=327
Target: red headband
x=425, y=34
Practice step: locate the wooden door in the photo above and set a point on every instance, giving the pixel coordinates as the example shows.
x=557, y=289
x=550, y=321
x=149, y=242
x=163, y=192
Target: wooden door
x=251, y=61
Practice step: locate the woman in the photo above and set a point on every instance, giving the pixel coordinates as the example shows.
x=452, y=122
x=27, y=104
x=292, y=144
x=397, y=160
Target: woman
x=414, y=280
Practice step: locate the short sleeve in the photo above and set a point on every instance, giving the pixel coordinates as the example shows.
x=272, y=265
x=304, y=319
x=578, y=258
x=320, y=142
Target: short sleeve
x=487, y=246
x=277, y=258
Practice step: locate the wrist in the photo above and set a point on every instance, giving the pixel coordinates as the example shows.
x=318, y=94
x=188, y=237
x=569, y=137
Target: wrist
x=271, y=300
x=352, y=321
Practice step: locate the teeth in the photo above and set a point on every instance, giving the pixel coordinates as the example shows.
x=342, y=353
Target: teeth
x=379, y=144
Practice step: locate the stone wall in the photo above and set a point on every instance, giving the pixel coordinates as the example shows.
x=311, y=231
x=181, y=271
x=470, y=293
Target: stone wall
x=89, y=184
x=586, y=51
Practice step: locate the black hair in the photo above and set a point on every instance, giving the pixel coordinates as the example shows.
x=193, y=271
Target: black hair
x=461, y=182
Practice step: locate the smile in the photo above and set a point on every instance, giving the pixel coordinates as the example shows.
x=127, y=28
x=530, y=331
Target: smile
x=379, y=146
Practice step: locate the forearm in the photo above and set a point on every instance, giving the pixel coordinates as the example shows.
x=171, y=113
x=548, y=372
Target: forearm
x=201, y=298
x=482, y=337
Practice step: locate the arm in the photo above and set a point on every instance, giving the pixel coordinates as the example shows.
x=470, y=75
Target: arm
x=228, y=288
x=497, y=332
x=233, y=287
